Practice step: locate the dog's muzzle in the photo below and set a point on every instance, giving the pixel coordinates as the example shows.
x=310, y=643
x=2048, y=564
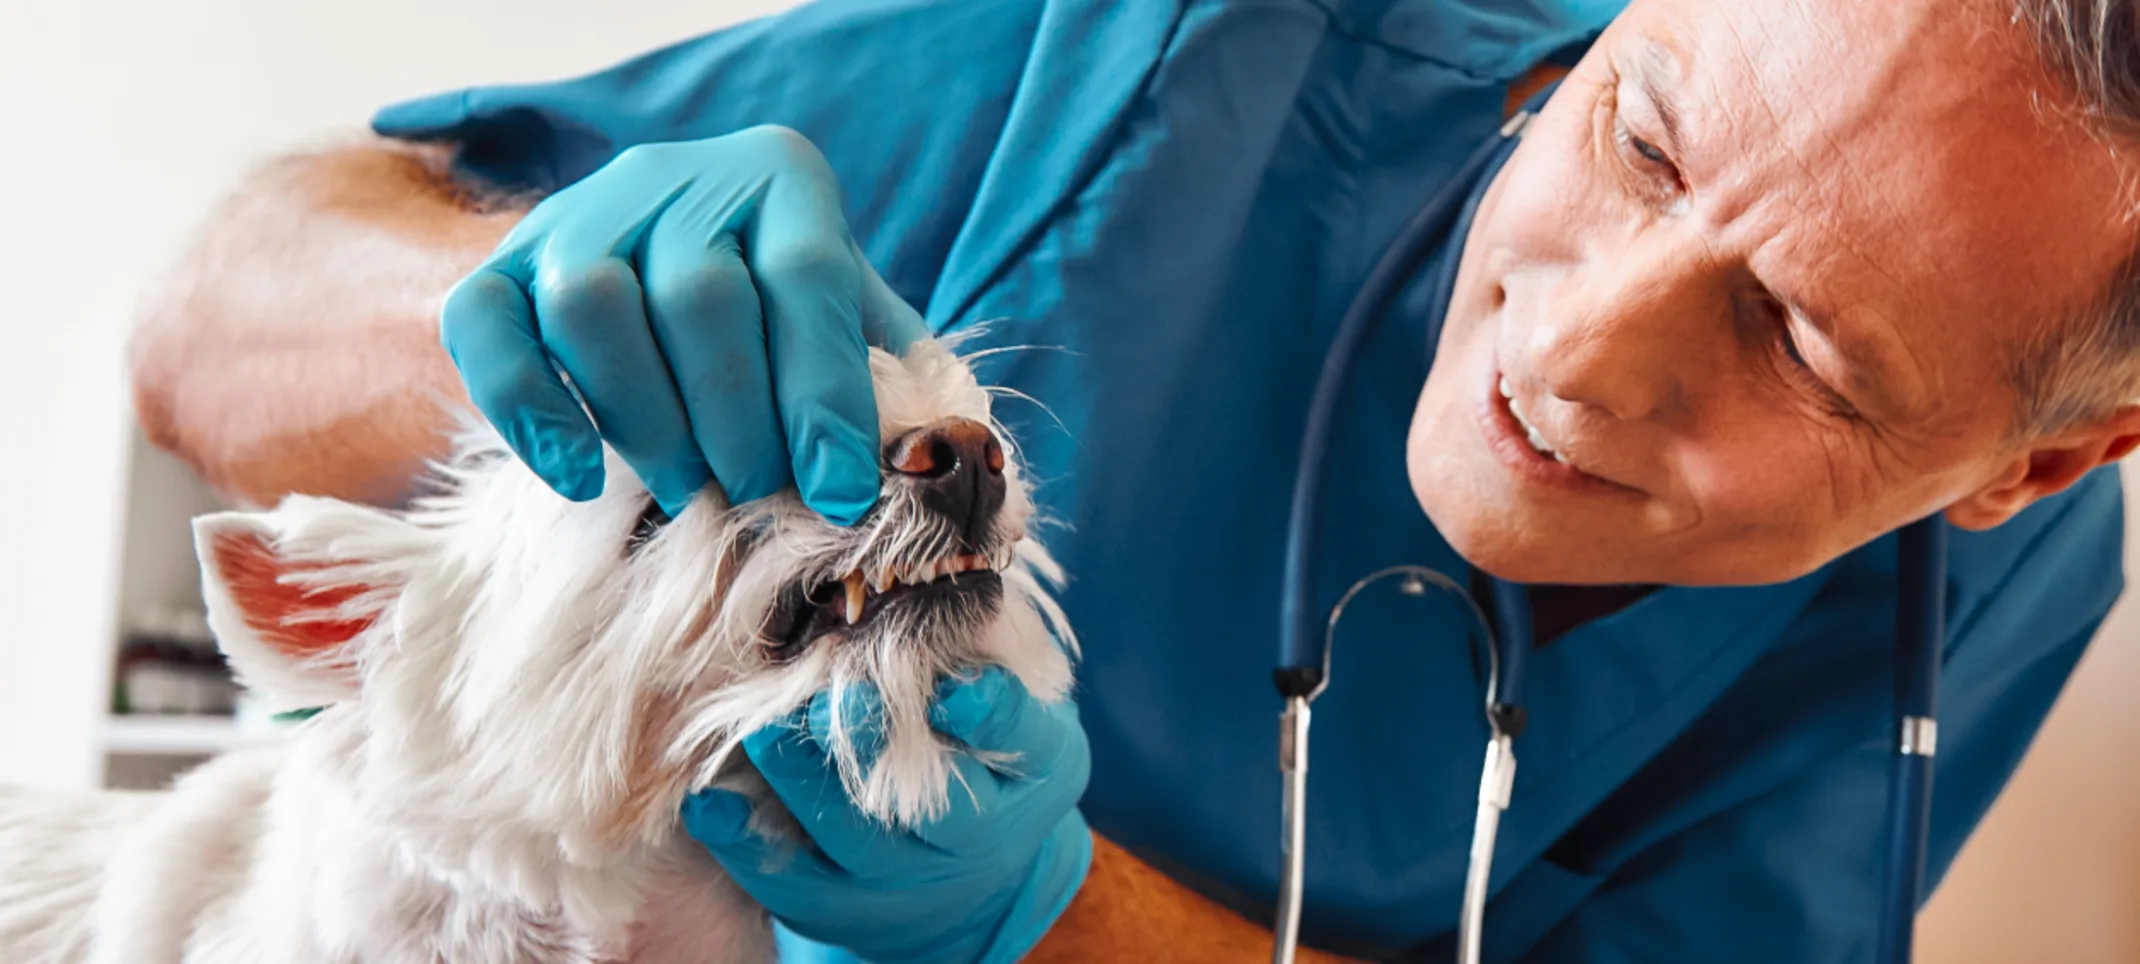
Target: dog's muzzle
x=953, y=474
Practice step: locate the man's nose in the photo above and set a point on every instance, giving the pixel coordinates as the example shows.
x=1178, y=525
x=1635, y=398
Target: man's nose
x=1623, y=338
x=955, y=467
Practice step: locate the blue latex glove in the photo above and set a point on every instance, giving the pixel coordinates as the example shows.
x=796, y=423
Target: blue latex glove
x=980, y=884
x=708, y=304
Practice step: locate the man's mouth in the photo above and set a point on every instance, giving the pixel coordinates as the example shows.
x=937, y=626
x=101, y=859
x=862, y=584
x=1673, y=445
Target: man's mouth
x=1531, y=433
x=808, y=611
x=1524, y=450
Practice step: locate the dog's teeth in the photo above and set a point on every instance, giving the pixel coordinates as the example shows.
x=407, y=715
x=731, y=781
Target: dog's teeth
x=854, y=597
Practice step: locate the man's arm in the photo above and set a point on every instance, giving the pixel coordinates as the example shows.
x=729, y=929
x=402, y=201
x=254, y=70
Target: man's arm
x=1128, y=911
x=294, y=346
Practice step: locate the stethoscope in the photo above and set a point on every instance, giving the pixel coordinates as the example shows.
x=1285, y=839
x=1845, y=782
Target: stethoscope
x=1305, y=637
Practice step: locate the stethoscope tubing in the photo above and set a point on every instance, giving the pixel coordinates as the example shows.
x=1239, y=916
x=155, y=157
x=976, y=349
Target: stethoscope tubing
x=1303, y=665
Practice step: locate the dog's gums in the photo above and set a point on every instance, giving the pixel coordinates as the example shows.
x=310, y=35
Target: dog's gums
x=809, y=612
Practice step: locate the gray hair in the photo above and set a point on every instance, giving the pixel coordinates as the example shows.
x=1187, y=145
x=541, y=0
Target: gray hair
x=2080, y=373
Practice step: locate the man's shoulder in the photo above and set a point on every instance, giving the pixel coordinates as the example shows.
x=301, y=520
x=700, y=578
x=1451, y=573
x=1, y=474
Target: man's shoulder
x=2078, y=535
x=2049, y=573
x=859, y=77
x=906, y=99
x=1496, y=39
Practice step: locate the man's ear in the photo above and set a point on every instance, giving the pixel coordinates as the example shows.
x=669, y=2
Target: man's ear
x=2047, y=467
x=291, y=593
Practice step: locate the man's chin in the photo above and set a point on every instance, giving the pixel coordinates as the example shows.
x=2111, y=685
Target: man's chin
x=1487, y=536
x=1509, y=543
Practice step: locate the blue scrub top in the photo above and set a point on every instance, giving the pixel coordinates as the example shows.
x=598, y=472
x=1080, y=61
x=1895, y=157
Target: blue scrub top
x=1175, y=201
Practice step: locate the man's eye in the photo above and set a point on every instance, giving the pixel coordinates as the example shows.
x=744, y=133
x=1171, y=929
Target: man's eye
x=1793, y=365
x=1790, y=348
x=1646, y=149
x=1643, y=156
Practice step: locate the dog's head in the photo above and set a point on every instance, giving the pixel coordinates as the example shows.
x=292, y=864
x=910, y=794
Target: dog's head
x=498, y=657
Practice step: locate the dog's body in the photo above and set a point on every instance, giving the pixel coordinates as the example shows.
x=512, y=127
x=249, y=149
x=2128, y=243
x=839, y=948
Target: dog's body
x=253, y=858
x=519, y=693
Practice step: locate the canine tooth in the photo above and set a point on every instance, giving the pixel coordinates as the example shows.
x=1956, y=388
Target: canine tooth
x=854, y=597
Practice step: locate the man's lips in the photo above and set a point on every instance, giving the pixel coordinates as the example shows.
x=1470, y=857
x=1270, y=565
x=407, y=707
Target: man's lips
x=1527, y=452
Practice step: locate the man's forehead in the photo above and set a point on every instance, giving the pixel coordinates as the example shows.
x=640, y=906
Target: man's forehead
x=1898, y=155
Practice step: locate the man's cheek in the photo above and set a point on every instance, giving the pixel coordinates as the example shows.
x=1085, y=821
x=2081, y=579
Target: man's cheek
x=1531, y=219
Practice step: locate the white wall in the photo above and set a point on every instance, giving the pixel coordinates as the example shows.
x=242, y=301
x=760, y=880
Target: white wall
x=124, y=119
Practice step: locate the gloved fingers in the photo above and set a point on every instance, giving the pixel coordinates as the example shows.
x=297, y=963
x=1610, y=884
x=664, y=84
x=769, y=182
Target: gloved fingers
x=720, y=821
x=977, y=818
x=423, y=118
x=810, y=285
x=992, y=712
x=806, y=779
x=888, y=322
x=708, y=322
x=978, y=814
x=487, y=326
x=592, y=318
x=989, y=807
x=851, y=713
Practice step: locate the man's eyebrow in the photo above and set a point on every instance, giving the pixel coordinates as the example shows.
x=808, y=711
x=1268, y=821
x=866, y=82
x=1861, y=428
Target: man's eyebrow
x=1651, y=67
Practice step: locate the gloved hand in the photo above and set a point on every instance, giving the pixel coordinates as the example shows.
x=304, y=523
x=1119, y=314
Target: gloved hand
x=980, y=884
x=707, y=302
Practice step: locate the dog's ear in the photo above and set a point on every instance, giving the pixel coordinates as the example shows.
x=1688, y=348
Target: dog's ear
x=291, y=593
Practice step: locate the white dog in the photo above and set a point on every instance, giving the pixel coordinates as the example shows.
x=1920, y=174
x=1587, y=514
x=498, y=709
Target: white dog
x=521, y=691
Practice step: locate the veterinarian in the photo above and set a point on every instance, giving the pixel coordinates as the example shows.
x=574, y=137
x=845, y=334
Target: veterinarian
x=1761, y=283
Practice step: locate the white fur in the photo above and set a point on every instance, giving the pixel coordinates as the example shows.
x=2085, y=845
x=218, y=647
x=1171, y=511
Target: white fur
x=512, y=734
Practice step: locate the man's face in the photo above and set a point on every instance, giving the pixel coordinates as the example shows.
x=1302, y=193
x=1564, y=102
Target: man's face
x=1757, y=275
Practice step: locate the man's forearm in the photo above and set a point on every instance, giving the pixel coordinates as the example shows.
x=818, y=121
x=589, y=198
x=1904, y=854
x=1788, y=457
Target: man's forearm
x=294, y=347
x=1129, y=912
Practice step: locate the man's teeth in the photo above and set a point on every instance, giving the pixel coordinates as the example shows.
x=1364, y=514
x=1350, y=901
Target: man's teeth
x=860, y=586
x=1538, y=441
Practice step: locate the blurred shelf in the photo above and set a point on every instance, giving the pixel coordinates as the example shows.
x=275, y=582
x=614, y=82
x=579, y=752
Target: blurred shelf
x=151, y=735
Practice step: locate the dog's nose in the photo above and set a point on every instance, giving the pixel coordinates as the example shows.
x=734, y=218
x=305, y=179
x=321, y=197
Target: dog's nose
x=956, y=467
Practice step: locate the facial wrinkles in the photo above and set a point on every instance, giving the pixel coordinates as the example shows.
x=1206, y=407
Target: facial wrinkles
x=1788, y=198
x=1803, y=227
